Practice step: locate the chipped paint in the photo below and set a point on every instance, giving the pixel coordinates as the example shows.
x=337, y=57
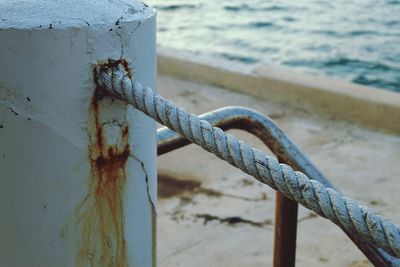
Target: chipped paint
x=101, y=213
x=66, y=197
x=153, y=211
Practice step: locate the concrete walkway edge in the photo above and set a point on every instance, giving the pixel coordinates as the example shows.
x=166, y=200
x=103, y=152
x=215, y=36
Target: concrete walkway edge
x=371, y=107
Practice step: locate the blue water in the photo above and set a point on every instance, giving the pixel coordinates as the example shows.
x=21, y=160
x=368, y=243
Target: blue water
x=353, y=40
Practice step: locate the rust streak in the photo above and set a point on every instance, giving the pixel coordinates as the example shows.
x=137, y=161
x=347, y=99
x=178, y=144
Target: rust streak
x=101, y=213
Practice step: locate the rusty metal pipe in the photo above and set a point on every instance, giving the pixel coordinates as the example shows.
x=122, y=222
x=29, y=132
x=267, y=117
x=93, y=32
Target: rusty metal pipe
x=287, y=152
x=285, y=233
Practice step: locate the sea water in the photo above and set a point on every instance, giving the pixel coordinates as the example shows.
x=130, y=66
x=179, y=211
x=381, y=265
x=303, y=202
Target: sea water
x=352, y=40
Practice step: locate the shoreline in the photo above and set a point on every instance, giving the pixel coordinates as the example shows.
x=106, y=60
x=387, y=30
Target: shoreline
x=367, y=106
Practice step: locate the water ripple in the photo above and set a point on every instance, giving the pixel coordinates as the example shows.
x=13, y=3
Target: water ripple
x=354, y=40
x=253, y=8
x=176, y=7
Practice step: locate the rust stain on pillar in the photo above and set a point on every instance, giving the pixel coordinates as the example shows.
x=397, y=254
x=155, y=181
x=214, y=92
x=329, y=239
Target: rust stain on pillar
x=101, y=213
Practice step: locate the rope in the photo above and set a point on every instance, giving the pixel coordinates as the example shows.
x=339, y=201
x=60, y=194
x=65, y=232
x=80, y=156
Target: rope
x=326, y=202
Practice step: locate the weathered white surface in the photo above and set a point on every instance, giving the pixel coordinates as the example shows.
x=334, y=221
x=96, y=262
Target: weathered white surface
x=46, y=89
x=22, y=14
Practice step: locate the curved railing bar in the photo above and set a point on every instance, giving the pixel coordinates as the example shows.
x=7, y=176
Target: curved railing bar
x=280, y=144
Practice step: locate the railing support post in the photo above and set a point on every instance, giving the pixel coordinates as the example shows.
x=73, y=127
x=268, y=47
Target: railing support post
x=285, y=231
x=77, y=170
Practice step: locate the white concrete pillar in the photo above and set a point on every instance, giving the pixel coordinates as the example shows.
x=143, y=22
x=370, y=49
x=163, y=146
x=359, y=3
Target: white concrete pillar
x=77, y=171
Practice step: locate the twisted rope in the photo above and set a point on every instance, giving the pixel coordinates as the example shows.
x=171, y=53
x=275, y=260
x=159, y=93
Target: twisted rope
x=295, y=185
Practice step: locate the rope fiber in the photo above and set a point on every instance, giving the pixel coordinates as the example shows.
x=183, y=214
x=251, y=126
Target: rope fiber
x=326, y=202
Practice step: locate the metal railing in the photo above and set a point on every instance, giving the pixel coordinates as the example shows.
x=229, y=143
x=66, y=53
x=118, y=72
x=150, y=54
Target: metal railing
x=287, y=152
